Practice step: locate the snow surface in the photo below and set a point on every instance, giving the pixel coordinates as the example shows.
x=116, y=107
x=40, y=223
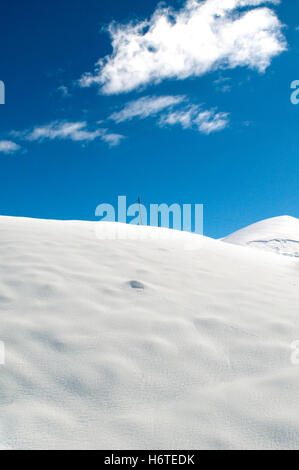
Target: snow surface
x=280, y=234
x=144, y=344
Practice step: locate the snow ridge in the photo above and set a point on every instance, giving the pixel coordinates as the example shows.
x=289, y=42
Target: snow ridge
x=279, y=235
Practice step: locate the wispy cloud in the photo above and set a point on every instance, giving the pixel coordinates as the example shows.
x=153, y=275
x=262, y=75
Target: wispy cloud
x=201, y=37
x=64, y=91
x=194, y=117
x=65, y=130
x=113, y=139
x=145, y=107
x=76, y=131
x=9, y=147
x=210, y=121
x=223, y=84
x=171, y=110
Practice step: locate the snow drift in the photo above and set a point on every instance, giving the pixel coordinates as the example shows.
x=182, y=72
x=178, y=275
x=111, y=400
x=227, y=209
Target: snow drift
x=280, y=235
x=144, y=344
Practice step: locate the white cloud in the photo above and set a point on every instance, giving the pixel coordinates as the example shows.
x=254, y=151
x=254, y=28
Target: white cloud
x=205, y=121
x=113, y=139
x=145, y=107
x=173, y=112
x=203, y=36
x=209, y=121
x=64, y=130
x=76, y=131
x=183, y=117
x=8, y=147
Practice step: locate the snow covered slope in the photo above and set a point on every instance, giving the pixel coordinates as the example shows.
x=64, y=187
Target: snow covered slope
x=144, y=344
x=280, y=235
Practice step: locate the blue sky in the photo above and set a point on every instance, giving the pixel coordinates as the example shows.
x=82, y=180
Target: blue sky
x=191, y=105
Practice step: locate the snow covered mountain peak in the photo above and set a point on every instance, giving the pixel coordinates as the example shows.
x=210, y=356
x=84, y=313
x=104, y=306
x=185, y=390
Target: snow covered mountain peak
x=278, y=234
